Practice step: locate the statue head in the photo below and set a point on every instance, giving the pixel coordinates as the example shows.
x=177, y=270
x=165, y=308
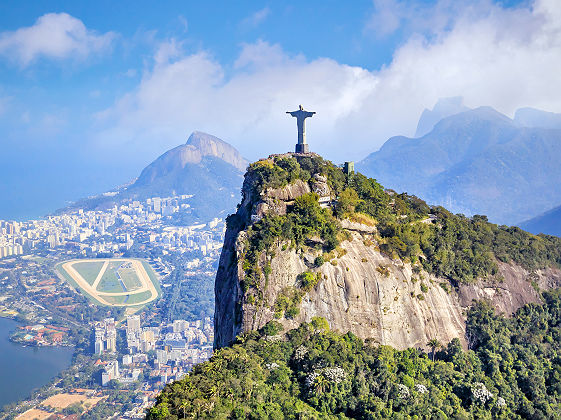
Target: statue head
x=301, y=107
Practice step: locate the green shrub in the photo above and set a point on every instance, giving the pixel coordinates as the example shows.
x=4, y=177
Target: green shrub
x=272, y=328
x=292, y=312
x=308, y=280
x=318, y=262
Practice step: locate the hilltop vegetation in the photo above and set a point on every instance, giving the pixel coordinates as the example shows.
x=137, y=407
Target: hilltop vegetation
x=513, y=370
x=456, y=247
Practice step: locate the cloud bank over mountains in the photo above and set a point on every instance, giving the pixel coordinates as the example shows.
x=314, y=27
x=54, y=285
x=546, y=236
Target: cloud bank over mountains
x=504, y=58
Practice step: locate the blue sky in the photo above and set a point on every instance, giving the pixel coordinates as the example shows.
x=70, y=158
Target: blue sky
x=90, y=92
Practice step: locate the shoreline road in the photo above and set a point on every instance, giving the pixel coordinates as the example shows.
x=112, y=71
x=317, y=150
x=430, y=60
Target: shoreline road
x=140, y=270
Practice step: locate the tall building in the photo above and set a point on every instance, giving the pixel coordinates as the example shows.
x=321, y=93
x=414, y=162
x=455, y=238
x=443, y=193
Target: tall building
x=111, y=341
x=133, y=324
x=180, y=325
x=98, y=347
x=99, y=340
x=110, y=372
x=157, y=204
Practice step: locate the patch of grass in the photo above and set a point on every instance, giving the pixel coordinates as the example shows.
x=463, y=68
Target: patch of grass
x=115, y=299
x=88, y=270
x=363, y=219
x=138, y=297
x=130, y=279
x=445, y=286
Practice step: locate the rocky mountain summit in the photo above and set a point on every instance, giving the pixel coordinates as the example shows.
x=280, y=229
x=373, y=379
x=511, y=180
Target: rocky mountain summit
x=199, y=146
x=206, y=167
x=320, y=266
x=310, y=241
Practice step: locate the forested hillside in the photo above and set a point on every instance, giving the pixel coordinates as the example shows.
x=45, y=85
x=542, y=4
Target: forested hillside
x=512, y=370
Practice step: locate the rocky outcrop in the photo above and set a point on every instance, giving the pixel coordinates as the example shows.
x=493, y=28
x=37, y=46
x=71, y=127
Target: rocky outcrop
x=360, y=289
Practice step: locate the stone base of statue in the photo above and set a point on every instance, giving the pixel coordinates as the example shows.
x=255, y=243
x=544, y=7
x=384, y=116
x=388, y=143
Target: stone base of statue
x=302, y=148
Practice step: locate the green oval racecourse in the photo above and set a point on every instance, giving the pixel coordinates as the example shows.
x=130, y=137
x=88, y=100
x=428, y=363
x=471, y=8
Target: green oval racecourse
x=112, y=281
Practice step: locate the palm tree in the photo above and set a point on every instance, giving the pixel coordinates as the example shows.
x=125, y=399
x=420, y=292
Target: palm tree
x=320, y=384
x=184, y=406
x=434, y=344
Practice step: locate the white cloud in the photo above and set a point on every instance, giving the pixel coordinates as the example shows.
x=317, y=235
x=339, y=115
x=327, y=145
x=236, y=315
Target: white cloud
x=192, y=92
x=418, y=16
x=184, y=22
x=130, y=73
x=256, y=18
x=54, y=35
x=505, y=58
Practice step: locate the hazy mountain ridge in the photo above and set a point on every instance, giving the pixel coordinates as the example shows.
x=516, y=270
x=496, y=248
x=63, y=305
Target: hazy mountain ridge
x=548, y=223
x=442, y=109
x=476, y=162
x=531, y=117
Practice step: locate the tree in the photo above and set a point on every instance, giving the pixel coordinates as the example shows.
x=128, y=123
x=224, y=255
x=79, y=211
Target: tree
x=434, y=344
x=184, y=404
x=319, y=324
x=346, y=202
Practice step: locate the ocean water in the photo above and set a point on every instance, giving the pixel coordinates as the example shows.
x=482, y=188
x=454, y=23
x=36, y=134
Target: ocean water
x=23, y=369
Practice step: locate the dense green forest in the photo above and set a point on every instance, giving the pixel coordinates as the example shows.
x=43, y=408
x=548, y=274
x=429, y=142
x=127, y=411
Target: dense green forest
x=512, y=370
x=456, y=247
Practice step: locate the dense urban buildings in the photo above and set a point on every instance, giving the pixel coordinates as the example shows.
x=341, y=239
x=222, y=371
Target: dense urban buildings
x=138, y=349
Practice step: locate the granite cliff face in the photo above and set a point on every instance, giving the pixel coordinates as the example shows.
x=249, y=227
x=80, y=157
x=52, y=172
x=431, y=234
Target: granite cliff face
x=360, y=289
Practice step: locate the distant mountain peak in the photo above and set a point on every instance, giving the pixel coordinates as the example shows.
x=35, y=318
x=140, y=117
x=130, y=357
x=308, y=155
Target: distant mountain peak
x=477, y=161
x=548, y=223
x=199, y=146
x=443, y=108
x=481, y=114
x=204, y=167
x=204, y=144
x=532, y=117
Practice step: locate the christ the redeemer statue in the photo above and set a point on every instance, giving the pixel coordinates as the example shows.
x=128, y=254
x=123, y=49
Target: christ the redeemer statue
x=301, y=115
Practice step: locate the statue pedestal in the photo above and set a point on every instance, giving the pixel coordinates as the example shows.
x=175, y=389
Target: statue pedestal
x=302, y=148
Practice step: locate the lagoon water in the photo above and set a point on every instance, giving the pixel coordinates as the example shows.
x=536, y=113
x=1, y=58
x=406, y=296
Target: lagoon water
x=23, y=369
